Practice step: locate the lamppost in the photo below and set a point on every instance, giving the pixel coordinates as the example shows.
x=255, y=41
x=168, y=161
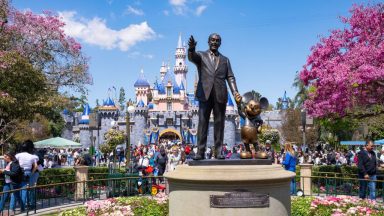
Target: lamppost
x=130, y=109
x=303, y=123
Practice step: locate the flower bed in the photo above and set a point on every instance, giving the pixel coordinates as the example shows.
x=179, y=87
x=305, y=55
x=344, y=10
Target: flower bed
x=335, y=206
x=158, y=205
x=144, y=205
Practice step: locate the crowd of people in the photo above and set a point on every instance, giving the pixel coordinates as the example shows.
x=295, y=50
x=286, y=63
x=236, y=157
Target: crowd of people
x=23, y=168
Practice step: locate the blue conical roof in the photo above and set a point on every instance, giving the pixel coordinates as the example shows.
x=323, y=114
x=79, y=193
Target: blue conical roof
x=140, y=103
x=176, y=89
x=230, y=102
x=161, y=88
x=87, y=110
x=141, y=81
x=156, y=85
x=284, y=101
x=182, y=86
x=168, y=77
x=85, y=116
x=108, y=102
x=285, y=96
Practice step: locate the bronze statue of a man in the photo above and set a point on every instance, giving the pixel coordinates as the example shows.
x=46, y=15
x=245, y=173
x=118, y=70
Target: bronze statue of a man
x=213, y=70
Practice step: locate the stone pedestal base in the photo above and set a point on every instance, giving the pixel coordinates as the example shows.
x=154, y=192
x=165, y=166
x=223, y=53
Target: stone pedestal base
x=192, y=188
x=81, y=174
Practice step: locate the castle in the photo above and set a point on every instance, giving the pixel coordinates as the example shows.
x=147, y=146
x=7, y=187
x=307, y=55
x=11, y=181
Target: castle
x=164, y=110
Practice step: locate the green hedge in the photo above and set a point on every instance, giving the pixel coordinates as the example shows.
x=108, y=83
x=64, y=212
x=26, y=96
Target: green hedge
x=59, y=175
x=56, y=175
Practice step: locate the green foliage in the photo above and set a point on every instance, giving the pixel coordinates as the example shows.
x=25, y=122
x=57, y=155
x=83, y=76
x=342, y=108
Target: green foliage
x=105, y=149
x=144, y=206
x=300, y=206
x=122, y=98
x=113, y=138
x=269, y=134
x=56, y=175
x=95, y=173
x=80, y=211
x=340, y=129
x=375, y=126
x=291, y=128
x=302, y=92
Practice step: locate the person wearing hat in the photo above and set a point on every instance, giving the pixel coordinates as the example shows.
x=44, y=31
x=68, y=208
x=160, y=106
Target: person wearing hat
x=13, y=175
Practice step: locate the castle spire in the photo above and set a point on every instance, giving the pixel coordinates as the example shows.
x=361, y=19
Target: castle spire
x=180, y=69
x=179, y=43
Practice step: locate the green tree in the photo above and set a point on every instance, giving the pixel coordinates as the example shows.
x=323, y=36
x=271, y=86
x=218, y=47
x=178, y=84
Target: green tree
x=23, y=94
x=37, y=61
x=291, y=128
x=113, y=137
x=122, y=98
x=302, y=93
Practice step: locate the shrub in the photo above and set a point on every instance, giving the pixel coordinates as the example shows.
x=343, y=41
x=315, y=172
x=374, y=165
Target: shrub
x=341, y=205
x=300, y=206
x=56, y=175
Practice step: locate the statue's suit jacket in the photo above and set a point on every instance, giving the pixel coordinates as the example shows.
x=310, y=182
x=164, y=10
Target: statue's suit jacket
x=212, y=76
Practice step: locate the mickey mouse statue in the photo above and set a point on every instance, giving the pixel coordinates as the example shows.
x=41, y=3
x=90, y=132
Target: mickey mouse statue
x=250, y=109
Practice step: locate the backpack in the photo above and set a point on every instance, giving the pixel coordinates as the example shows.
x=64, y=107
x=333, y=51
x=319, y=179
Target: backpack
x=162, y=160
x=87, y=160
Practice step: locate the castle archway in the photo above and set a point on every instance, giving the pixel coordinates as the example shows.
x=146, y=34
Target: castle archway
x=170, y=134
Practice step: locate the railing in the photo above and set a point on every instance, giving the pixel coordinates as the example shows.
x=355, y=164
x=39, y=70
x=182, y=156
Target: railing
x=77, y=192
x=333, y=185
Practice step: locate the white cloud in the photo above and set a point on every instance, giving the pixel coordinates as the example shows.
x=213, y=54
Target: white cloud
x=134, y=11
x=200, y=9
x=177, y=2
x=184, y=7
x=179, y=7
x=166, y=13
x=137, y=54
x=96, y=32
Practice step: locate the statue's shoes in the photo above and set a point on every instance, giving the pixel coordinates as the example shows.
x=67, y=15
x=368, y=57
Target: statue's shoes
x=198, y=157
x=220, y=157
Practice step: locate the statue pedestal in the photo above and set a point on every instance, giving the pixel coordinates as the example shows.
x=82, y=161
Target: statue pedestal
x=229, y=190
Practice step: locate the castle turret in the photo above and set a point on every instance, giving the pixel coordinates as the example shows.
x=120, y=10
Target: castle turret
x=230, y=122
x=140, y=121
x=85, y=135
x=142, y=88
x=109, y=114
x=284, y=101
x=180, y=69
x=163, y=70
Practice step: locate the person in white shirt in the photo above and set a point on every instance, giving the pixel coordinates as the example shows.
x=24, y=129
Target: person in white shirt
x=28, y=162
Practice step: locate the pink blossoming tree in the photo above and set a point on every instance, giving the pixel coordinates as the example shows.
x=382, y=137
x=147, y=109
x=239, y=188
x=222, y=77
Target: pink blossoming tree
x=37, y=62
x=345, y=71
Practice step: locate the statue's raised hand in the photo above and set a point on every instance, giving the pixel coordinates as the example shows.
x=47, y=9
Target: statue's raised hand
x=192, y=43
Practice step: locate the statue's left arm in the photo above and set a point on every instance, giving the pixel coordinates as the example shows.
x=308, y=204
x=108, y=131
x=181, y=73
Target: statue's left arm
x=232, y=83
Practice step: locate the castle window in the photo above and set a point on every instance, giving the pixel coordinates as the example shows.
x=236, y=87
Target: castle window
x=169, y=106
x=169, y=92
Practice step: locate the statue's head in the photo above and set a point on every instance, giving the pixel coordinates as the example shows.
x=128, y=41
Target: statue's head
x=253, y=104
x=253, y=108
x=214, y=42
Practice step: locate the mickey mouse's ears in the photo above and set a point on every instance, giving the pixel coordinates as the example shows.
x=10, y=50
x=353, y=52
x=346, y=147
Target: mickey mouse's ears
x=251, y=95
x=264, y=103
x=248, y=97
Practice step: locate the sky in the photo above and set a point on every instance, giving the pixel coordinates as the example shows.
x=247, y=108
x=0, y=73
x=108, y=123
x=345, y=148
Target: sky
x=267, y=41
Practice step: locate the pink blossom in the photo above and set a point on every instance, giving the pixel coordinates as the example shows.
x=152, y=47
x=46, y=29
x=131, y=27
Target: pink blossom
x=344, y=68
